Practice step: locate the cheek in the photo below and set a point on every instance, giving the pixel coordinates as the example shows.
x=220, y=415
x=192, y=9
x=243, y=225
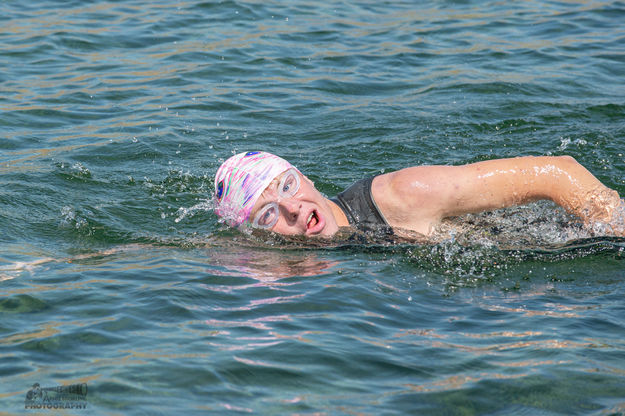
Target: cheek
x=283, y=228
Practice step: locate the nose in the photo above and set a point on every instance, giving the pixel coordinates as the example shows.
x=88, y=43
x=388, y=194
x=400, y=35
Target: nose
x=290, y=209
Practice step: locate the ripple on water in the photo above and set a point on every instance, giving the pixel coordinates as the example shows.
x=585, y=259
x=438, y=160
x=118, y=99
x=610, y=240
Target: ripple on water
x=116, y=272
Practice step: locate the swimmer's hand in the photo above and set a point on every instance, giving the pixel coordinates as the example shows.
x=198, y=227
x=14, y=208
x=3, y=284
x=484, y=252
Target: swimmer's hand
x=611, y=216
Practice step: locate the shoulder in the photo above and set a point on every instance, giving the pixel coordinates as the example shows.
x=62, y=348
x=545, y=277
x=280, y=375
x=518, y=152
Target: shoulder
x=410, y=198
x=416, y=180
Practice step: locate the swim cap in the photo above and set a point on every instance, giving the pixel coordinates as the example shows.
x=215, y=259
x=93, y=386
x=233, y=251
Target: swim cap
x=241, y=180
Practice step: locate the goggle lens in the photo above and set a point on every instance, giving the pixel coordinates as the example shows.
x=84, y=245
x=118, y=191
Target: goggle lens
x=268, y=215
x=289, y=185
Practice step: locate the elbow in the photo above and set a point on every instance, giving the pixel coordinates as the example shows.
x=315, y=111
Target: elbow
x=567, y=161
x=560, y=165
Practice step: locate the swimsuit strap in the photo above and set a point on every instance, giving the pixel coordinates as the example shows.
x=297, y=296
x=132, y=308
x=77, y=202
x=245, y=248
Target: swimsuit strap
x=360, y=208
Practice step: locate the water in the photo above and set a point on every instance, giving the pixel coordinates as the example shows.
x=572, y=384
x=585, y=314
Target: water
x=114, y=117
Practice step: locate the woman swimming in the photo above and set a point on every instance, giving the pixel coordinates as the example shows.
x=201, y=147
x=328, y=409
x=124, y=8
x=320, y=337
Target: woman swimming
x=265, y=191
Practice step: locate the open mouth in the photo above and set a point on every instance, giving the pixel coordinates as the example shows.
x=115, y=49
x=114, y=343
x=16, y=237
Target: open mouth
x=313, y=220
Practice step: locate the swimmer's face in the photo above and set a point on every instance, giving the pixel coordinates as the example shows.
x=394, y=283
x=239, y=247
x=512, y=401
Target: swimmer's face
x=300, y=209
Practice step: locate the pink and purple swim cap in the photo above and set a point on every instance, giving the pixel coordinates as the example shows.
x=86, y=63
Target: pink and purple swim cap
x=241, y=180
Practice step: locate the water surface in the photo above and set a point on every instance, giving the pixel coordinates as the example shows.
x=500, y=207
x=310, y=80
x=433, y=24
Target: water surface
x=114, y=271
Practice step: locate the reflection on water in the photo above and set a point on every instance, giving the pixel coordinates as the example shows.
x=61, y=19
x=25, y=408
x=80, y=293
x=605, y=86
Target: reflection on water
x=265, y=265
x=228, y=259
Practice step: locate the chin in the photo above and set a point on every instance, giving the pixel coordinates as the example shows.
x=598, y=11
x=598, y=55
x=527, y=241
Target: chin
x=329, y=230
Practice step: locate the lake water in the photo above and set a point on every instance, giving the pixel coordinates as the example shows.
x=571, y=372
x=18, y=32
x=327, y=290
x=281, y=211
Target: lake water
x=116, y=274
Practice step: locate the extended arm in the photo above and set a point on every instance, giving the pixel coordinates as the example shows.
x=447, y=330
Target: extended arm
x=418, y=198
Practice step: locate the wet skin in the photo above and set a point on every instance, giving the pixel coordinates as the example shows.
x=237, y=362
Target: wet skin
x=418, y=198
x=308, y=212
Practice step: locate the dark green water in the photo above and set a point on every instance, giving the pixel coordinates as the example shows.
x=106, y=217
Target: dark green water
x=115, y=272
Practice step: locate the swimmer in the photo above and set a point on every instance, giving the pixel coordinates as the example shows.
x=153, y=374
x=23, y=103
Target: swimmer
x=261, y=190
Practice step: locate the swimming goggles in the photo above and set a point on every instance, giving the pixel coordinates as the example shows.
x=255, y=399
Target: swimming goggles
x=268, y=215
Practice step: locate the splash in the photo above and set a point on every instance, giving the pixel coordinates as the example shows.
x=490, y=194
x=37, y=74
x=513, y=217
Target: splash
x=202, y=207
x=207, y=205
x=77, y=171
x=70, y=219
x=609, y=211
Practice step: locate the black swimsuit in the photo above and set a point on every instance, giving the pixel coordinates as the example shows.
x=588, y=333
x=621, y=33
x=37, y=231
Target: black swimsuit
x=360, y=208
